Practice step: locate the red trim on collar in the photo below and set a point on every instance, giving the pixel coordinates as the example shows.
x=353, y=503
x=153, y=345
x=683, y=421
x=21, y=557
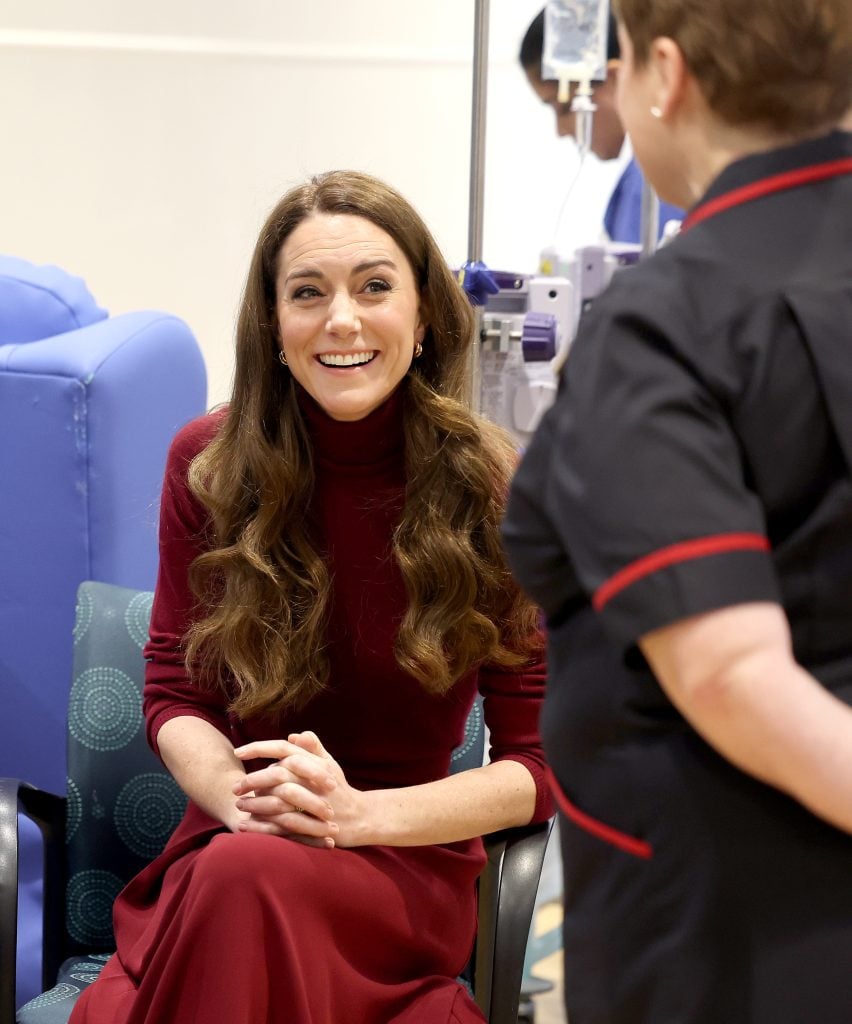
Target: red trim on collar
x=621, y=840
x=686, y=550
x=766, y=186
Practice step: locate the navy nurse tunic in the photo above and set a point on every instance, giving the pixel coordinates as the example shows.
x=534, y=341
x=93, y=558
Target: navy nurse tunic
x=697, y=456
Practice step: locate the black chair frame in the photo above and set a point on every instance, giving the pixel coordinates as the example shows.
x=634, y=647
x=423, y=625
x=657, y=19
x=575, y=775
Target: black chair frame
x=507, y=891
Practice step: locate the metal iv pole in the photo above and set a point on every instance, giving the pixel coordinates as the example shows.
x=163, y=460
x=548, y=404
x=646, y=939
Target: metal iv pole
x=650, y=220
x=477, y=176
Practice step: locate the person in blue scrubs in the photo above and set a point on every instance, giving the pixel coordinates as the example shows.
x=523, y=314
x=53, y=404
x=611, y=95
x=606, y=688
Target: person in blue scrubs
x=622, y=219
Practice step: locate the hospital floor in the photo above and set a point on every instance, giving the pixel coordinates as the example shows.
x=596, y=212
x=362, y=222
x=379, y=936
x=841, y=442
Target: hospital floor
x=549, y=1006
x=544, y=951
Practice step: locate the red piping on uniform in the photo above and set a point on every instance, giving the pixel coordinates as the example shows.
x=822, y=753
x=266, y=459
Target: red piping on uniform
x=718, y=544
x=765, y=187
x=638, y=847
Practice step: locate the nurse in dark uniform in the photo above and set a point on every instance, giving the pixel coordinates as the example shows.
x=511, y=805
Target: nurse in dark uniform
x=684, y=517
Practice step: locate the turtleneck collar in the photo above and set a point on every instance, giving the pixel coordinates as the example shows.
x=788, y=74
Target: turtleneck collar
x=377, y=438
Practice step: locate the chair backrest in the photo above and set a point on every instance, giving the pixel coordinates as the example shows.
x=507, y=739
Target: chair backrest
x=122, y=803
x=88, y=406
x=38, y=302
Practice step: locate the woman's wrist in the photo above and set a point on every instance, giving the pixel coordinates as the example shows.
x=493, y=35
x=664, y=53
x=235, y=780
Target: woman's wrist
x=218, y=800
x=367, y=825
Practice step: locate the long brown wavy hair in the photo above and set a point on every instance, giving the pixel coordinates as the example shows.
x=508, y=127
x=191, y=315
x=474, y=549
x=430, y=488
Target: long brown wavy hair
x=264, y=585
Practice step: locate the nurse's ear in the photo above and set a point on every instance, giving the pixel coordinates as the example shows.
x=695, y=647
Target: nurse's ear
x=669, y=75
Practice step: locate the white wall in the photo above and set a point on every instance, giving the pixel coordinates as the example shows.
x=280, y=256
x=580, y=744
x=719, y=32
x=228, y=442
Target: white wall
x=144, y=143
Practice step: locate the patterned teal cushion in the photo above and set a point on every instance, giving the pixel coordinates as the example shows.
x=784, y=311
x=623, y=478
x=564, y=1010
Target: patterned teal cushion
x=122, y=803
x=469, y=753
x=54, y=1006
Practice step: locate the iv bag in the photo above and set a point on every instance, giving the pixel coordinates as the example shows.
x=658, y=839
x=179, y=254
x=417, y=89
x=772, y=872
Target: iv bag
x=575, y=40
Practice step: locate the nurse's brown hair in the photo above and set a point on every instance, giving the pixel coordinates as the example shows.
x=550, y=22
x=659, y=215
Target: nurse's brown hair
x=783, y=65
x=264, y=586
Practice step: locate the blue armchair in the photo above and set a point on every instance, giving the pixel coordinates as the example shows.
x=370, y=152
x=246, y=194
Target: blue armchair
x=88, y=405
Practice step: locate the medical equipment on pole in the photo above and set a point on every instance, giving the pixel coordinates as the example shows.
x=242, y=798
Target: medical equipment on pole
x=526, y=322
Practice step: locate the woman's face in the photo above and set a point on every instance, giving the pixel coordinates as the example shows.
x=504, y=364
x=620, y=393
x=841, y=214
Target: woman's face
x=348, y=312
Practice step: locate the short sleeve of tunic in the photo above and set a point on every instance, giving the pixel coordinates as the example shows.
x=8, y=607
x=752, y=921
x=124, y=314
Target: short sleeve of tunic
x=638, y=470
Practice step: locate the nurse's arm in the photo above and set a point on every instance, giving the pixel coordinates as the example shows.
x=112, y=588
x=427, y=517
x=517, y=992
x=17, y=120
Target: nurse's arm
x=732, y=674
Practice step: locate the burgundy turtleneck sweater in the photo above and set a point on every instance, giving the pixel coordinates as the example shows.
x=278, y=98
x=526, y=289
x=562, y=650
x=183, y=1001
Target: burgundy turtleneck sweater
x=378, y=722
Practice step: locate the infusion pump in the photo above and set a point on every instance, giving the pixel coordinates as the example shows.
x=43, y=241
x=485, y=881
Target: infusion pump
x=527, y=328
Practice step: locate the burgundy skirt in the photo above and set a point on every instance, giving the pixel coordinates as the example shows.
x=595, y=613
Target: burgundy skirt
x=256, y=929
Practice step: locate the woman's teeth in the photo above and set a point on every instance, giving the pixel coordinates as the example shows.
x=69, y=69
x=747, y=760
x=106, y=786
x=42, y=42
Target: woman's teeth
x=350, y=359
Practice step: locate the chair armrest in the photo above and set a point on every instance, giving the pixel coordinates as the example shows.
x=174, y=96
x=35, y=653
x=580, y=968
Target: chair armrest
x=48, y=812
x=507, y=893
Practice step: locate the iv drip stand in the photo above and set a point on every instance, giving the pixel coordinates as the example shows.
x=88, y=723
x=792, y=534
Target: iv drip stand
x=477, y=175
x=650, y=220
x=477, y=134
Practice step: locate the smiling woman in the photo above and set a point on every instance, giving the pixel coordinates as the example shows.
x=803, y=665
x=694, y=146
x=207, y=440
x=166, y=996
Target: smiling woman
x=332, y=595
x=348, y=313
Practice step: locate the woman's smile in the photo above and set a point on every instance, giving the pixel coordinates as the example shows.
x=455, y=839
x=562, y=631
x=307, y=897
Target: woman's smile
x=349, y=360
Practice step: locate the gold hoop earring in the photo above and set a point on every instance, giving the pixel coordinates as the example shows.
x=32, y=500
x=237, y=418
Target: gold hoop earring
x=418, y=350
x=282, y=358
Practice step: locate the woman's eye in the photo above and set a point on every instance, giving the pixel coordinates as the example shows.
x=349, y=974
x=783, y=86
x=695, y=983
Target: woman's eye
x=376, y=285
x=306, y=292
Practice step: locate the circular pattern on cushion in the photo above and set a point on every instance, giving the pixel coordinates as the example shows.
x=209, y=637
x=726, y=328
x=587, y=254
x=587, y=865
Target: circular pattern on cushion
x=472, y=729
x=137, y=617
x=57, y=994
x=105, y=708
x=83, y=616
x=147, y=811
x=73, y=809
x=87, y=977
x=88, y=906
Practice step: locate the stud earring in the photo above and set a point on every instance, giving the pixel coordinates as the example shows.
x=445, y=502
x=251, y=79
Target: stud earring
x=282, y=358
x=418, y=350
x=656, y=112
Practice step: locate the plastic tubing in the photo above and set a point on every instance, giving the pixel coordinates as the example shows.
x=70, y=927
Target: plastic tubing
x=583, y=108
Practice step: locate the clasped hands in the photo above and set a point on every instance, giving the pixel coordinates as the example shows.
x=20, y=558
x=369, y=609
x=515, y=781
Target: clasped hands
x=303, y=794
